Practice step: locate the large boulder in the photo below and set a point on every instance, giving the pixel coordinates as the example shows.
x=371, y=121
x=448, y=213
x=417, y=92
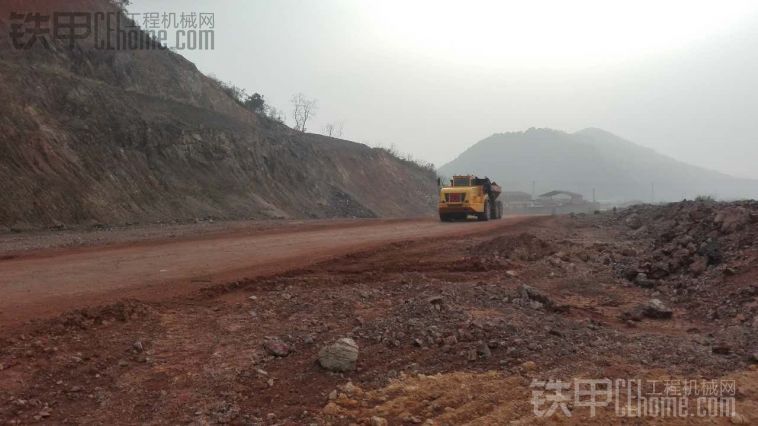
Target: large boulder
x=339, y=356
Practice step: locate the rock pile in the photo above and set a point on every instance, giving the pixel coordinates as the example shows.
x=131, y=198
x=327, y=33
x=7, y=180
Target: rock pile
x=689, y=238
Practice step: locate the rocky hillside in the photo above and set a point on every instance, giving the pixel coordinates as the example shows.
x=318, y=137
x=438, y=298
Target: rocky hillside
x=100, y=136
x=617, y=169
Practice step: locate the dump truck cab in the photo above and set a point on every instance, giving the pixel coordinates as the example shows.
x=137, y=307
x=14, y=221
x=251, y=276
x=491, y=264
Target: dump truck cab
x=469, y=195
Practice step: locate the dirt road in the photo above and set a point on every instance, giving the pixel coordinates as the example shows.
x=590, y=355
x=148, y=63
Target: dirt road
x=44, y=282
x=455, y=330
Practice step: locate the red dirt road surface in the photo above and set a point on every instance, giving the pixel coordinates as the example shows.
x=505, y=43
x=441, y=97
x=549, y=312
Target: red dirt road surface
x=437, y=324
x=38, y=283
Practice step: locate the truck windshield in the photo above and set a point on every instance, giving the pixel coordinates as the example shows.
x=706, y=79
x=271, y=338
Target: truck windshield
x=461, y=181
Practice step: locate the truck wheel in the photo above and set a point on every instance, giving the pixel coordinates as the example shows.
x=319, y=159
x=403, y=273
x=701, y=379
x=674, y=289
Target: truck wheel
x=486, y=214
x=444, y=217
x=499, y=210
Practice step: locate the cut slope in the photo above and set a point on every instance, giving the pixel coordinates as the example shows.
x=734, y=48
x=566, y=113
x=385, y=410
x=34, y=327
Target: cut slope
x=90, y=135
x=617, y=169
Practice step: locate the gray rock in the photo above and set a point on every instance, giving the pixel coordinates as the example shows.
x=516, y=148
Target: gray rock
x=339, y=356
x=436, y=299
x=711, y=250
x=532, y=297
x=483, y=350
x=529, y=292
x=654, y=308
x=535, y=305
x=643, y=281
x=471, y=355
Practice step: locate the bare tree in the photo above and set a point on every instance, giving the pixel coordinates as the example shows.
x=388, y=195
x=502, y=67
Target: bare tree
x=340, y=127
x=334, y=129
x=303, y=108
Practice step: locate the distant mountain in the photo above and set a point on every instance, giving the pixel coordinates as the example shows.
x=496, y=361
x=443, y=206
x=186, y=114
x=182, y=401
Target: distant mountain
x=618, y=170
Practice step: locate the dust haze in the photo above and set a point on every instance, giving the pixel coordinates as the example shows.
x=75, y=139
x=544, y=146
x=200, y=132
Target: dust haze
x=433, y=78
x=250, y=230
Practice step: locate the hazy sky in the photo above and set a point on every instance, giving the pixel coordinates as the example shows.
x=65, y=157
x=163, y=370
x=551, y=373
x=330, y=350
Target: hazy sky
x=433, y=77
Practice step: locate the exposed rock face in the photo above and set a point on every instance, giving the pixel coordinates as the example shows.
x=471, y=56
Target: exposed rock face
x=339, y=356
x=115, y=137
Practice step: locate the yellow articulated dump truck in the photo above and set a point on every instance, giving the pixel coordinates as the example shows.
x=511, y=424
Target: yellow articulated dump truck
x=470, y=195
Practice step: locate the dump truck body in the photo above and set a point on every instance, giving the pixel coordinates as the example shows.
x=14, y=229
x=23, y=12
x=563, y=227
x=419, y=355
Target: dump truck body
x=470, y=195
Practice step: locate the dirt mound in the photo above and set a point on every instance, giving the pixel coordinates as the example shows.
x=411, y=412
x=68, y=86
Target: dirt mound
x=699, y=254
x=454, y=398
x=524, y=246
x=91, y=136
